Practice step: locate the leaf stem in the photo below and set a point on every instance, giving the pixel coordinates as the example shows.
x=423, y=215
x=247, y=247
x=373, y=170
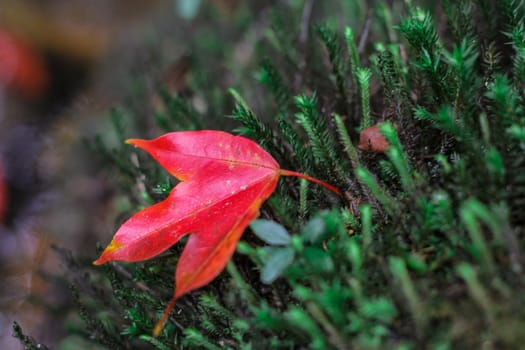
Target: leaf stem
x=164, y=318
x=309, y=178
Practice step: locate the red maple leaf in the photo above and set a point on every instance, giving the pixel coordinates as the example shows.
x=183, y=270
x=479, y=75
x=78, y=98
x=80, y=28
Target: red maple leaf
x=224, y=181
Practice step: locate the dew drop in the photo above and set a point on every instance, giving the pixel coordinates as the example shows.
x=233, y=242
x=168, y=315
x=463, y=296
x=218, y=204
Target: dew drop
x=243, y=188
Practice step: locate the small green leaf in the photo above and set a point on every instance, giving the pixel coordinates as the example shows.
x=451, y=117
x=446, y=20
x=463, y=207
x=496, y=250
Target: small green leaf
x=270, y=232
x=278, y=260
x=314, y=230
x=319, y=260
x=416, y=263
x=380, y=308
x=494, y=162
x=517, y=132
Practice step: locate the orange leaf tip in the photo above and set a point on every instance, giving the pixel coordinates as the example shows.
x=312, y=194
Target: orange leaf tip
x=134, y=142
x=109, y=249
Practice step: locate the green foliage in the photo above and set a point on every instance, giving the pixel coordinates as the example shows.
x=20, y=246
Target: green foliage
x=322, y=147
x=420, y=32
x=179, y=113
x=270, y=77
x=363, y=78
x=331, y=40
x=28, y=342
x=424, y=248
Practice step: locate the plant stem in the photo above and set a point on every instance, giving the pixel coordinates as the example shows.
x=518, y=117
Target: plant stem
x=334, y=189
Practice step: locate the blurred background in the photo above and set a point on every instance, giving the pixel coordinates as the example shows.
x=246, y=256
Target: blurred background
x=63, y=65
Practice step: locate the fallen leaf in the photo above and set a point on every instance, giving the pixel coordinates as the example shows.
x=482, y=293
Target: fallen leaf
x=224, y=181
x=371, y=139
